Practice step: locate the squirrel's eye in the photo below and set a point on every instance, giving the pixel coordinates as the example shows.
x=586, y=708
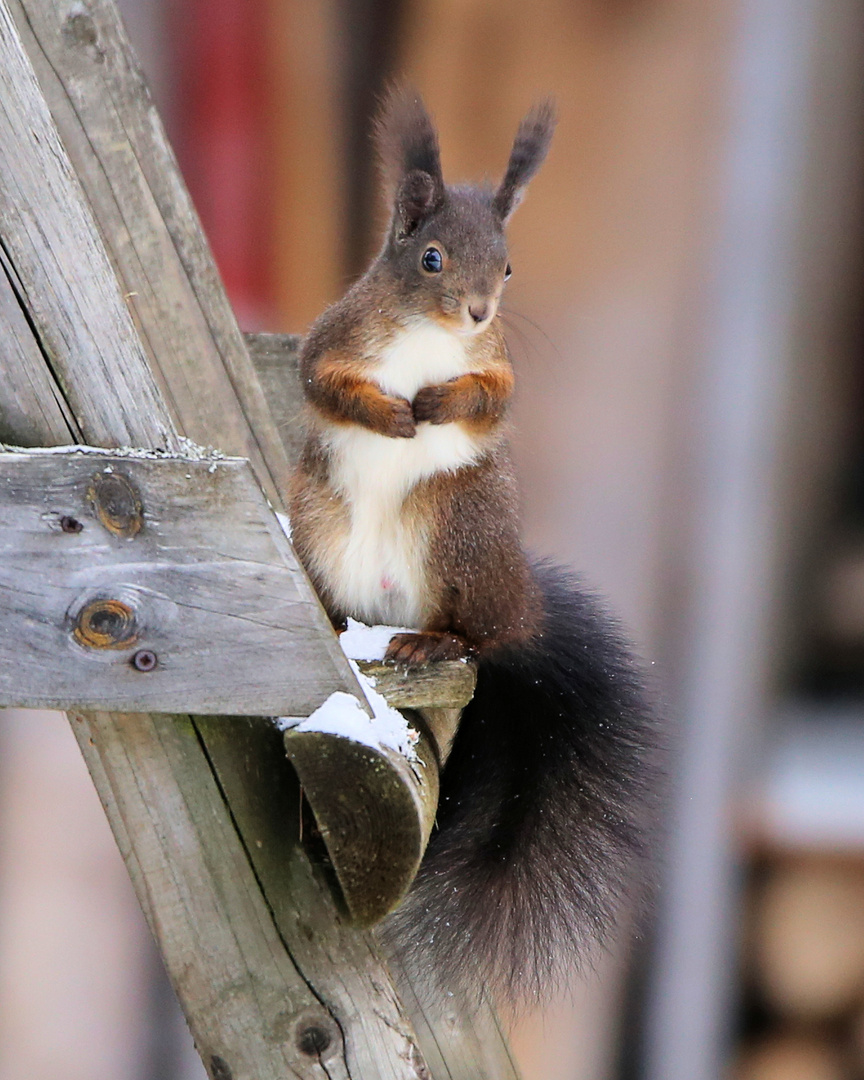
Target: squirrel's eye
x=432, y=261
x=508, y=272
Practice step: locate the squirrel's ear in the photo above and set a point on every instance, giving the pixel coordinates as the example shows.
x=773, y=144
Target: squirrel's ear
x=416, y=197
x=529, y=150
x=407, y=145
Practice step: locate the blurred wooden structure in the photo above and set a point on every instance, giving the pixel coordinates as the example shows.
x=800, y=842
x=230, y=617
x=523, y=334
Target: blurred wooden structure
x=116, y=332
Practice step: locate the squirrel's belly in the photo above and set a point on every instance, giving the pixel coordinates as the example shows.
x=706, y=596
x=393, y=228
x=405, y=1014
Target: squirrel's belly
x=377, y=568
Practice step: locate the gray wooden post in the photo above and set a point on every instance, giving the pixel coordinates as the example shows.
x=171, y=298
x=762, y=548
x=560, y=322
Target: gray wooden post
x=114, y=330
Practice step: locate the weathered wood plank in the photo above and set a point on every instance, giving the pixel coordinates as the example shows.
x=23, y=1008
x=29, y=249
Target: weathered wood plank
x=205, y=590
x=32, y=403
x=213, y=909
x=376, y=1036
x=118, y=748
x=276, y=359
x=458, y=1042
x=58, y=270
x=115, y=140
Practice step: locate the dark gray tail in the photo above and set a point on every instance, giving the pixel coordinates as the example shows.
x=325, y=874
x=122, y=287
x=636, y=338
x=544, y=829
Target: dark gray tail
x=545, y=812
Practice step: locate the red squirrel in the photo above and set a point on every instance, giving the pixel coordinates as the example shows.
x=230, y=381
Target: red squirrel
x=405, y=511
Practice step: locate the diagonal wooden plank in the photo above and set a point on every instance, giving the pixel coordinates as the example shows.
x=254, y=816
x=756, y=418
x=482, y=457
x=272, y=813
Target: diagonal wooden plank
x=57, y=269
x=123, y=749
x=33, y=402
x=115, y=140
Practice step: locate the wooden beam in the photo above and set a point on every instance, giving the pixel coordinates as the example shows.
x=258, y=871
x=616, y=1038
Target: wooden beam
x=99, y=101
x=54, y=264
x=161, y=584
x=459, y=1040
x=261, y=1001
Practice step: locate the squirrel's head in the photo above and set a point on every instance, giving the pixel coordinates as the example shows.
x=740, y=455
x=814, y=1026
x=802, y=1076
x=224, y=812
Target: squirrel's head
x=446, y=245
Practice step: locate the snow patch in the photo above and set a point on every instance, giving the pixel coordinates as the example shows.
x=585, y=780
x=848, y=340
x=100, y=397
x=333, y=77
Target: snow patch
x=285, y=522
x=188, y=451
x=362, y=642
x=342, y=714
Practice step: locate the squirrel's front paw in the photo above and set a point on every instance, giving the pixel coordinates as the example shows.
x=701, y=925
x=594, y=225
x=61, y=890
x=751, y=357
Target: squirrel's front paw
x=398, y=421
x=434, y=404
x=426, y=647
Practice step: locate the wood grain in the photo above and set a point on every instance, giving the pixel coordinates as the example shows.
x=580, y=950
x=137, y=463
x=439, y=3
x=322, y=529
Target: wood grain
x=213, y=588
x=242, y=991
x=276, y=358
x=117, y=146
x=445, y=685
x=458, y=1042
x=57, y=269
x=180, y=835
x=374, y=810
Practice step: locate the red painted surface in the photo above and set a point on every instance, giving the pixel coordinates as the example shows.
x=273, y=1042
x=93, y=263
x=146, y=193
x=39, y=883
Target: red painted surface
x=222, y=140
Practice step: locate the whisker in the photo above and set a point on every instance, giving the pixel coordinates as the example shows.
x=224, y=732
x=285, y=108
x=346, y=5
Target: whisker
x=531, y=352
x=553, y=345
x=526, y=346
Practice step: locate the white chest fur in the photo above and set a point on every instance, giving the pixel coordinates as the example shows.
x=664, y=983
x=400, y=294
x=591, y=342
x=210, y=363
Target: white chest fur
x=422, y=354
x=379, y=572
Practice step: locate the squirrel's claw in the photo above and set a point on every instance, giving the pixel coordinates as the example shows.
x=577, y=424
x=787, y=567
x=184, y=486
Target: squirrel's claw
x=433, y=404
x=400, y=423
x=416, y=650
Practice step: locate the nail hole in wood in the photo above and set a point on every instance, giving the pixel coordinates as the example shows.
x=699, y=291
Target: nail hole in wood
x=313, y=1040
x=219, y=1069
x=70, y=524
x=144, y=660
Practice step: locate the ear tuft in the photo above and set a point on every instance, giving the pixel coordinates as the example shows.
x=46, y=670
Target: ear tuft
x=407, y=141
x=529, y=151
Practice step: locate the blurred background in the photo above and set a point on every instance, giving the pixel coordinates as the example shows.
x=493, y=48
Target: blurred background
x=686, y=319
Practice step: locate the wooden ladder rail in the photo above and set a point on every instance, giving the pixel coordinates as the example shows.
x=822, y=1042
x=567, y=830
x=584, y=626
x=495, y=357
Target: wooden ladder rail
x=248, y=932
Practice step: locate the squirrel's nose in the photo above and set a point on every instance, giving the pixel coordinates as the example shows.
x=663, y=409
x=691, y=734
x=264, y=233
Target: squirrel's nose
x=478, y=312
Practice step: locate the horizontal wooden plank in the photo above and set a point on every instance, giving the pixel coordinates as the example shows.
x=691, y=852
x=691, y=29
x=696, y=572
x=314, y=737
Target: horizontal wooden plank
x=158, y=584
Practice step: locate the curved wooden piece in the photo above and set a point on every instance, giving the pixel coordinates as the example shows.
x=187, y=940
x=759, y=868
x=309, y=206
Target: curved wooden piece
x=373, y=807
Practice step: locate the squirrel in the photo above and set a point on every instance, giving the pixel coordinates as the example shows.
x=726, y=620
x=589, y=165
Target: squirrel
x=404, y=512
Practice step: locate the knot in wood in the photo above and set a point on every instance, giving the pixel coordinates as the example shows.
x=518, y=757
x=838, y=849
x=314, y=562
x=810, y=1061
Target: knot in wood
x=117, y=503
x=315, y=1033
x=106, y=624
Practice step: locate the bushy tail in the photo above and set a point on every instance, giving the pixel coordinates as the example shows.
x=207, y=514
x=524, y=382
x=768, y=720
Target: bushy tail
x=545, y=811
